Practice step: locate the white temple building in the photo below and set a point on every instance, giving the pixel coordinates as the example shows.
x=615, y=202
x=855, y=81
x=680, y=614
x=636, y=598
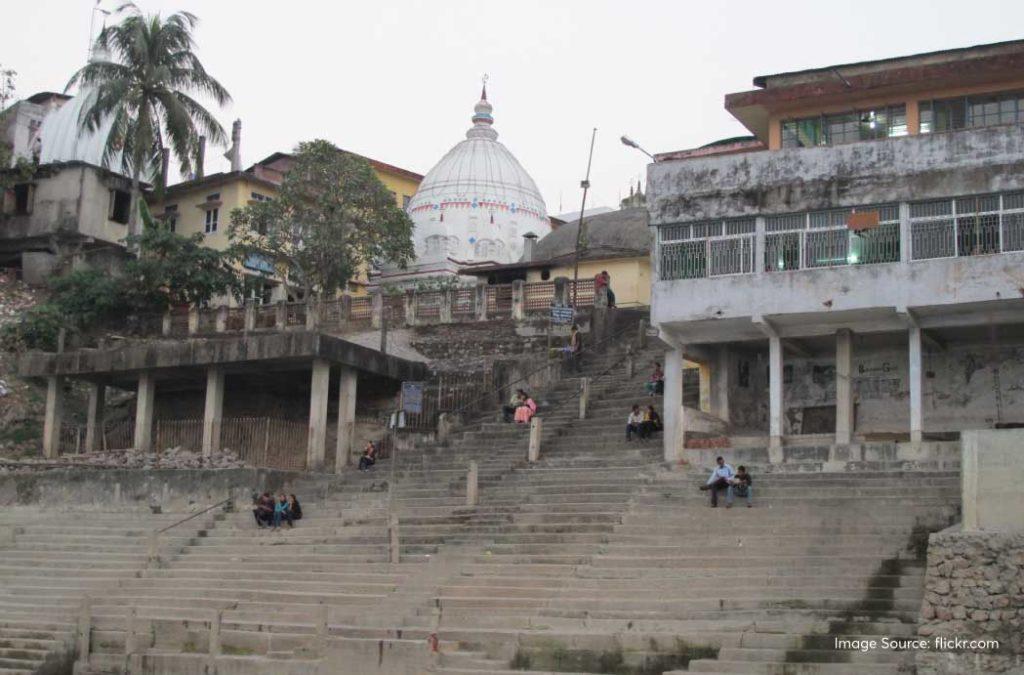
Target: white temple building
x=474, y=207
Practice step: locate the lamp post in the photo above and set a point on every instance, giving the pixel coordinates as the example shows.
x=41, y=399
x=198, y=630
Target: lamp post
x=627, y=141
x=585, y=184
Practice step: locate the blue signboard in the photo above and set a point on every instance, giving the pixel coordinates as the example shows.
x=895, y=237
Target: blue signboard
x=259, y=263
x=562, y=315
x=412, y=397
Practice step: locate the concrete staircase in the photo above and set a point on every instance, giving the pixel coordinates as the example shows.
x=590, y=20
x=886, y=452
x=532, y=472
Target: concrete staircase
x=51, y=562
x=595, y=557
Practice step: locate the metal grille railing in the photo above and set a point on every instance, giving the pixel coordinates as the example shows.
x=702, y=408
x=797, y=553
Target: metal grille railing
x=362, y=308
x=538, y=296
x=465, y=303
x=499, y=301
x=967, y=226
x=428, y=304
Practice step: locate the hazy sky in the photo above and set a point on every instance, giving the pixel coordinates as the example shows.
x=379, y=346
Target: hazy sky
x=397, y=80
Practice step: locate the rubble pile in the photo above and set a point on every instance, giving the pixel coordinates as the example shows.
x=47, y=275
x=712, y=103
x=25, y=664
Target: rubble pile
x=15, y=298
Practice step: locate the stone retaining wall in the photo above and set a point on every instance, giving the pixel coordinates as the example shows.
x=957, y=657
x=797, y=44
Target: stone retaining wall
x=974, y=590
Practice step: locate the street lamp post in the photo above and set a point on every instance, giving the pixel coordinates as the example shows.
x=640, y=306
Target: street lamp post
x=585, y=184
x=627, y=141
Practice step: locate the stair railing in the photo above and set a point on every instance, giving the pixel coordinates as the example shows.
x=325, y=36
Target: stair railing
x=154, y=536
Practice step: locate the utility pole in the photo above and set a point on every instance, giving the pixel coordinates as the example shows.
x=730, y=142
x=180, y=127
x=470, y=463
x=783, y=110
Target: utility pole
x=585, y=184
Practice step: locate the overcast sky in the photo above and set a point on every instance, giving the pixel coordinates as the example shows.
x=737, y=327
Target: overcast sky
x=397, y=80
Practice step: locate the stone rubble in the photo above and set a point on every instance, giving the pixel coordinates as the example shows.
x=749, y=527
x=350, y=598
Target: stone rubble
x=171, y=458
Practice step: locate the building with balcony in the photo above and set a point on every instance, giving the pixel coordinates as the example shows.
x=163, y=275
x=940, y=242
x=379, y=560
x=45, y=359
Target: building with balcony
x=856, y=266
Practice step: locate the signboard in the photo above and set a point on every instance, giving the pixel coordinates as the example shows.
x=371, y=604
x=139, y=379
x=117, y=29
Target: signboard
x=562, y=315
x=858, y=221
x=652, y=331
x=412, y=397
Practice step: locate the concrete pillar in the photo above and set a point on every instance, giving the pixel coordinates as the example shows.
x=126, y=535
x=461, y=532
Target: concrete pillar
x=221, y=319
x=394, y=544
x=313, y=309
x=84, y=631
x=346, y=417
x=906, y=235
x=145, y=395
x=250, y=316
x=674, y=432
x=844, y=387
x=721, y=380
x=704, y=375
x=193, y=320
x=518, y=300
x=562, y=296
x=376, y=309
x=54, y=416
x=536, y=428
x=281, y=315
x=641, y=336
x=213, y=412
x=759, y=244
x=915, y=372
x=319, y=393
x=345, y=308
x=447, y=304
x=629, y=362
x=94, y=417
x=480, y=301
x=410, y=308
x=775, y=399
x=584, y=396
x=166, y=323
x=472, y=486
x=215, y=621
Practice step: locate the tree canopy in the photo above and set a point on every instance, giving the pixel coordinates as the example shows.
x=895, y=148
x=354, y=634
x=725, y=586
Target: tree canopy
x=332, y=215
x=142, y=80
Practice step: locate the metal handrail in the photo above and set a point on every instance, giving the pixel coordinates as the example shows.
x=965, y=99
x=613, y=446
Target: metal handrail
x=194, y=515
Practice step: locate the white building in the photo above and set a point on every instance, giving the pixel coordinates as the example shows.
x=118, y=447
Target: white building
x=856, y=268
x=474, y=206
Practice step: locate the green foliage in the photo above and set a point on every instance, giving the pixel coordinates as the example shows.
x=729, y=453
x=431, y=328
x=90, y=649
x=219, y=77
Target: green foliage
x=556, y=657
x=331, y=216
x=22, y=169
x=146, y=75
x=38, y=329
x=174, y=270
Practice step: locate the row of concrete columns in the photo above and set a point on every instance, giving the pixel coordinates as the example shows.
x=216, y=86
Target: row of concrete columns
x=213, y=413
x=715, y=397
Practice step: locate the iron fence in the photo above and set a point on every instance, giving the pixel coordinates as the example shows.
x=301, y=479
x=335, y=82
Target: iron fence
x=967, y=226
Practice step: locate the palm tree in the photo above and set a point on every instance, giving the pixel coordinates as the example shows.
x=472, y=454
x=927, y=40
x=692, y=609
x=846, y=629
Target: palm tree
x=142, y=78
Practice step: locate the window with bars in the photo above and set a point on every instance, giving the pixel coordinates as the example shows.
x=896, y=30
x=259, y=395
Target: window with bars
x=707, y=248
x=967, y=226
x=971, y=112
x=824, y=239
x=212, y=218
x=846, y=127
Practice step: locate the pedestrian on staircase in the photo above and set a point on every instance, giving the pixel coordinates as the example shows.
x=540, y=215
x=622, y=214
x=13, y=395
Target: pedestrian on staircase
x=741, y=485
x=263, y=510
x=575, y=348
x=369, y=457
x=634, y=423
x=720, y=479
x=508, y=412
x=655, y=385
x=282, y=511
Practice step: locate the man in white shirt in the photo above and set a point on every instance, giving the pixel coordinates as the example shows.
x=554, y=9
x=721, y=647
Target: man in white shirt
x=634, y=422
x=720, y=479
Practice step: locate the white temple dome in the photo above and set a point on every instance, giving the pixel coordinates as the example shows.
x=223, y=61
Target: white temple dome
x=476, y=204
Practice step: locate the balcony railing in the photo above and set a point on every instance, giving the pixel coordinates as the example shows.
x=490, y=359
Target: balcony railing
x=955, y=227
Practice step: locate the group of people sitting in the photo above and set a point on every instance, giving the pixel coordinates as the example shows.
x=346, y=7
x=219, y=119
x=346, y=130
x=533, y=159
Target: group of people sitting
x=738, y=483
x=520, y=409
x=642, y=423
x=271, y=512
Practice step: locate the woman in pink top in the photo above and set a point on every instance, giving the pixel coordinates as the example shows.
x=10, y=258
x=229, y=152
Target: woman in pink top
x=526, y=410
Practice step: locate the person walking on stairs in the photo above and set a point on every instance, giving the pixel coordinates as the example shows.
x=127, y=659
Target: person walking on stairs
x=720, y=479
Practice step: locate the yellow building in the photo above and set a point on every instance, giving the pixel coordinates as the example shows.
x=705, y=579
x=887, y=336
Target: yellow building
x=205, y=204
x=618, y=242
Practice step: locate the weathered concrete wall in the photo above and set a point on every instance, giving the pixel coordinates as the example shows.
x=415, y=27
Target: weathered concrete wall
x=173, y=490
x=993, y=476
x=974, y=590
x=782, y=181
x=836, y=294
x=959, y=388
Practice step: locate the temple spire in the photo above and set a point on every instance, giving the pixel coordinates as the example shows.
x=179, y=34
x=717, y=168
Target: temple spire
x=482, y=118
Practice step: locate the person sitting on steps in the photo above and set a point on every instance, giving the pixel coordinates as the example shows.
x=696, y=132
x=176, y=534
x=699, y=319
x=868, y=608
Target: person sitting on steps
x=720, y=479
x=294, y=507
x=526, y=410
x=634, y=423
x=369, y=457
x=655, y=385
x=508, y=412
x=651, y=423
x=263, y=510
x=604, y=280
x=282, y=511
x=741, y=485
x=575, y=348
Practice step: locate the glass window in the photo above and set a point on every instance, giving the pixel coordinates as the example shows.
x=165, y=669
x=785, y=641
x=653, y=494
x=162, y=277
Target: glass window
x=171, y=217
x=846, y=127
x=972, y=112
x=211, y=220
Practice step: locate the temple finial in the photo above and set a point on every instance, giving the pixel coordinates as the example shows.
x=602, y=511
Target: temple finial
x=483, y=93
